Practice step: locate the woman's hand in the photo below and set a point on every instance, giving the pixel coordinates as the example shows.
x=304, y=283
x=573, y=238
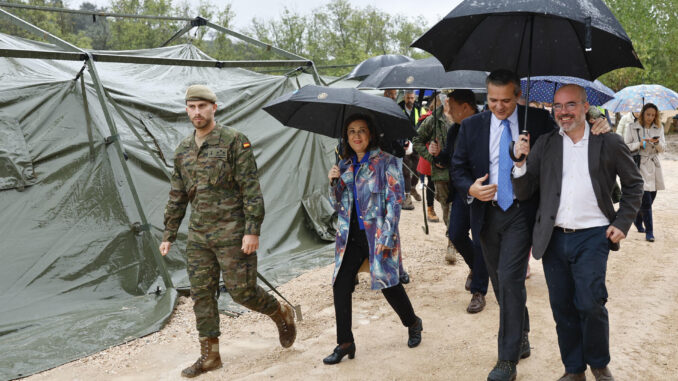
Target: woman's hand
x=333, y=173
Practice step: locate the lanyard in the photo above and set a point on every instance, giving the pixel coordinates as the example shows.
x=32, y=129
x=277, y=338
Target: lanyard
x=355, y=189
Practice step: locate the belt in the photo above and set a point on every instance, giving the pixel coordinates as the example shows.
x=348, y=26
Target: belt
x=568, y=230
x=496, y=204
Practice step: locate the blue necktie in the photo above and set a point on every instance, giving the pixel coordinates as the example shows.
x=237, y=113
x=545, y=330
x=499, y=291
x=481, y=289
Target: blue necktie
x=504, y=186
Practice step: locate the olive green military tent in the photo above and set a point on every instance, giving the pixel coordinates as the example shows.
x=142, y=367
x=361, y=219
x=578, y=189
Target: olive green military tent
x=82, y=204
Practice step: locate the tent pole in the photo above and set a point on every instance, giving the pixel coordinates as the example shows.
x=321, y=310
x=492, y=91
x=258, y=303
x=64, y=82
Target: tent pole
x=179, y=33
x=145, y=227
x=39, y=32
x=266, y=46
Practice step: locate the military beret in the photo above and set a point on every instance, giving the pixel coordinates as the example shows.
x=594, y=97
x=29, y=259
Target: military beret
x=200, y=93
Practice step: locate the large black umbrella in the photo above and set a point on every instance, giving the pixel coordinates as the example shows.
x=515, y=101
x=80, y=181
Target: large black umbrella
x=371, y=65
x=427, y=73
x=323, y=110
x=578, y=38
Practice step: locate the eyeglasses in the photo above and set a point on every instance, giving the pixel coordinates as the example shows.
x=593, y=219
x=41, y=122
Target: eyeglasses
x=569, y=106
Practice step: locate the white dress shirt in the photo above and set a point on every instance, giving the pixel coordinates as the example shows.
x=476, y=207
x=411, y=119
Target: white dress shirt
x=495, y=136
x=578, y=208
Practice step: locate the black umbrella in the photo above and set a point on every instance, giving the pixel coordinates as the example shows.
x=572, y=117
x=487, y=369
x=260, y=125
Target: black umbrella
x=323, y=110
x=371, y=65
x=427, y=73
x=578, y=38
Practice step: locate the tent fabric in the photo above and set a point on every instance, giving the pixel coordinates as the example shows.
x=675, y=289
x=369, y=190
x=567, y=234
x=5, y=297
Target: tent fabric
x=77, y=276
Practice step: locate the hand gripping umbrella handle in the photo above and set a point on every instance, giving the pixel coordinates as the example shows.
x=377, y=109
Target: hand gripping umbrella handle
x=512, y=144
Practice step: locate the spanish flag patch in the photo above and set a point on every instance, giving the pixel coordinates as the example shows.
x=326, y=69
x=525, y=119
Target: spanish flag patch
x=246, y=145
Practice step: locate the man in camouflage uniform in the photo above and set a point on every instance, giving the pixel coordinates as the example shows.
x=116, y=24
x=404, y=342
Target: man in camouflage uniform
x=215, y=170
x=433, y=130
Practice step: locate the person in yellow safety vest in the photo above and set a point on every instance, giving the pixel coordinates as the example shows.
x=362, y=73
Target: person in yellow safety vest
x=413, y=110
x=411, y=107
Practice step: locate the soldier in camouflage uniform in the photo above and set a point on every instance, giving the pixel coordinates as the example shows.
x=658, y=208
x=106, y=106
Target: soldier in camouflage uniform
x=215, y=170
x=434, y=130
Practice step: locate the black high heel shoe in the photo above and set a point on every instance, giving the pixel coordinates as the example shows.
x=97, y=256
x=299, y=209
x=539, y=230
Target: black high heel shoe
x=339, y=354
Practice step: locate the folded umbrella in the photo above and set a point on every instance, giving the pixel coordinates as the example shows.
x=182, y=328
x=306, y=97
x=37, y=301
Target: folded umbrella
x=633, y=98
x=323, y=110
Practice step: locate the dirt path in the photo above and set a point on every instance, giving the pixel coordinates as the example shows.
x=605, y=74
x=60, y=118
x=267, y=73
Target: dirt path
x=643, y=306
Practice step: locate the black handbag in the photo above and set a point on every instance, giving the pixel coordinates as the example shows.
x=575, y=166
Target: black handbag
x=636, y=155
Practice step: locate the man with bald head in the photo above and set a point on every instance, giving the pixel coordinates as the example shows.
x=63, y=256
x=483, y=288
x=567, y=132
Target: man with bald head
x=574, y=172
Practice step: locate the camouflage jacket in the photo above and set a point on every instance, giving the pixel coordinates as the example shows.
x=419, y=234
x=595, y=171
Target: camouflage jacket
x=429, y=131
x=220, y=181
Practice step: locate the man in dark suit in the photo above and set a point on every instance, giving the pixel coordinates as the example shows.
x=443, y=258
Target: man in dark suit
x=481, y=173
x=481, y=170
x=462, y=105
x=574, y=173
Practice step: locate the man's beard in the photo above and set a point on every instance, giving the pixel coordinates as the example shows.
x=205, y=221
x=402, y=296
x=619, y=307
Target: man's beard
x=201, y=124
x=572, y=123
x=409, y=105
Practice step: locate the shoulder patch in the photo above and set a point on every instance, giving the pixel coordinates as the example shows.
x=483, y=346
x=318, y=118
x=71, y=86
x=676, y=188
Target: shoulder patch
x=246, y=145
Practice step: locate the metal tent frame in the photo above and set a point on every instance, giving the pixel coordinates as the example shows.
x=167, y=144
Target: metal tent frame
x=75, y=53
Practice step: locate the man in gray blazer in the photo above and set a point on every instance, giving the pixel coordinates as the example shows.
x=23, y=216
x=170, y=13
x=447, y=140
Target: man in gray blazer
x=576, y=225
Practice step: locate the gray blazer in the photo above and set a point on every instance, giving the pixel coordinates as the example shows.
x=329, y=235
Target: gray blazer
x=609, y=157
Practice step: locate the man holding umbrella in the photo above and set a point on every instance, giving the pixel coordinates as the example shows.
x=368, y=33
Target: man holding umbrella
x=481, y=169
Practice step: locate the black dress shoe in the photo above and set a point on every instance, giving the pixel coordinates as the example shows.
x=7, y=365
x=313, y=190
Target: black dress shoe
x=339, y=354
x=414, y=332
x=525, y=347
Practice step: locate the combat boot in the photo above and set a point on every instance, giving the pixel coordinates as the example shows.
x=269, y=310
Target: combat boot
x=432, y=217
x=284, y=320
x=209, y=358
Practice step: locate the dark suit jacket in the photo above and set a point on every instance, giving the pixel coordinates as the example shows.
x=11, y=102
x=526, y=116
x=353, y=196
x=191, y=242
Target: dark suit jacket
x=608, y=158
x=471, y=158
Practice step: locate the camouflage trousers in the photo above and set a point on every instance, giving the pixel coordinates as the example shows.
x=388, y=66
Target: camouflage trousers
x=441, y=196
x=239, y=272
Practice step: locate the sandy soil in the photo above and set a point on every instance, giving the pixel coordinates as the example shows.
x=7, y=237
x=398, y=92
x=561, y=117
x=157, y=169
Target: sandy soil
x=643, y=305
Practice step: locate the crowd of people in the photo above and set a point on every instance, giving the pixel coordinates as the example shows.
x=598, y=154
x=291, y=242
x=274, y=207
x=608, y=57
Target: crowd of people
x=552, y=198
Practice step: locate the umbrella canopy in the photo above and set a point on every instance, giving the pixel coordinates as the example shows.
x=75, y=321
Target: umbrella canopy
x=633, y=98
x=371, y=65
x=578, y=38
x=427, y=73
x=323, y=110
x=543, y=88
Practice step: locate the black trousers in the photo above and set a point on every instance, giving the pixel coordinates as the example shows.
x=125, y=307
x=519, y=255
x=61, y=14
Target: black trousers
x=575, y=265
x=505, y=239
x=344, y=284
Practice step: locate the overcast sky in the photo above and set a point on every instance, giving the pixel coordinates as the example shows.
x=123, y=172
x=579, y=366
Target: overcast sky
x=430, y=12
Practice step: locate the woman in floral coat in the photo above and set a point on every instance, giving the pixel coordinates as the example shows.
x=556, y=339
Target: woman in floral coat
x=366, y=190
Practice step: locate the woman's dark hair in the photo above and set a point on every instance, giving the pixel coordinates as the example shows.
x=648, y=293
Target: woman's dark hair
x=347, y=151
x=641, y=117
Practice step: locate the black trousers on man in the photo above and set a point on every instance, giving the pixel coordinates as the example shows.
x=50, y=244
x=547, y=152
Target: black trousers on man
x=357, y=250
x=506, y=238
x=575, y=265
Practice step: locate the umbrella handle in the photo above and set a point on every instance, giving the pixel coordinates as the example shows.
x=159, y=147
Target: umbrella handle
x=512, y=144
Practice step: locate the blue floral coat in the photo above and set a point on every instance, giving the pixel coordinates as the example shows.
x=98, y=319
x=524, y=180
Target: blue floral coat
x=379, y=185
